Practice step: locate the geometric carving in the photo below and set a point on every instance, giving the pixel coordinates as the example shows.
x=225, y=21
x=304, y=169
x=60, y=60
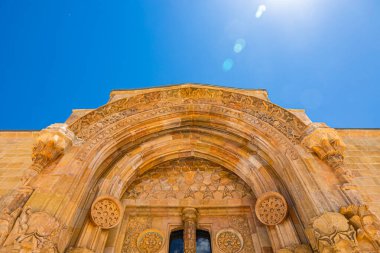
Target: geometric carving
x=331, y=232
x=271, y=208
x=135, y=225
x=229, y=241
x=240, y=223
x=188, y=178
x=150, y=240
x=106, y=212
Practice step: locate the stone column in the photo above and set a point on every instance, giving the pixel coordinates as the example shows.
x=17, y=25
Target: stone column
x=190, y=217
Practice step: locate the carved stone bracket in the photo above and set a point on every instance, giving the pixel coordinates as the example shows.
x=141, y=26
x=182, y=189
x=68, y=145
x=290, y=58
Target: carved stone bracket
x=229, y=241
x=328, y=146
x=50, y=144
x=106, y=212
x=366, y=224
x=331, y=232
x=150, y=241
x=190, y=220
x=271, y=208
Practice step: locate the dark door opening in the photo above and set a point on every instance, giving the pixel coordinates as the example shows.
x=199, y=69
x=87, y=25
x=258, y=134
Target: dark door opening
x=203, y=242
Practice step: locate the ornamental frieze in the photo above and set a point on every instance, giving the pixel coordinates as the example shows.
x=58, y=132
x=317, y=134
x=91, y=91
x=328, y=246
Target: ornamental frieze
x=102, y=133
x=279, y=118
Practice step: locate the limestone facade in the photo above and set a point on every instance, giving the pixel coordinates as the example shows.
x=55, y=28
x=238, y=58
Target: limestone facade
x=255, y=176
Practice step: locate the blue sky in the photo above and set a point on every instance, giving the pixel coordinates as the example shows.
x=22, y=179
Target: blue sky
x=319, y=55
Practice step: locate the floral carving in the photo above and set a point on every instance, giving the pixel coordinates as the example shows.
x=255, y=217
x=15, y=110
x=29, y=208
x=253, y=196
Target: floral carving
x=240, y=223
x=150, y=241
x=331, y=232
x=271, y=208
x=229, y=241
x=34, y=232
x=366, y=224
x=106, y=212
x=281, y=119
x=135, y=225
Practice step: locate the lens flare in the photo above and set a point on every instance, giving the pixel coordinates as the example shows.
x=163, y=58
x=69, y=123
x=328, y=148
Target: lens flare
x=260, y=10
x=228, y=64
x=239, y=45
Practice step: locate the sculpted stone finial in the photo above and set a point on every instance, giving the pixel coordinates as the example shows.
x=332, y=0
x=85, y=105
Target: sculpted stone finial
x=50, y=144
x=328, y=146
x=332, y=233
x=366, y=224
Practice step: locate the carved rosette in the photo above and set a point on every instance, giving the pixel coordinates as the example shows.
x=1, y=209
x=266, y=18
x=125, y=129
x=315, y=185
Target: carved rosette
x=331, y=232
x=271, y=208
x=106, y=212
x=150, y=240
x=229, y=241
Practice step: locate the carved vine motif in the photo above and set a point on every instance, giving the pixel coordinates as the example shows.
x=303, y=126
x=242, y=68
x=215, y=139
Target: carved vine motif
x=188, y=178
x=135, y=225
x=127, y=118
x=240, y=223
x=229, y=241
x=271, y=208
x=106, y=212
x=34, y=232
x=279, y=118
x=150, y=241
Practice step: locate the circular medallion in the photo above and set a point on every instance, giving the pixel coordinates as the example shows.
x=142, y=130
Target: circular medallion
x=271, y=208
x=106, y=212
x=229, y=241
x=150, y=240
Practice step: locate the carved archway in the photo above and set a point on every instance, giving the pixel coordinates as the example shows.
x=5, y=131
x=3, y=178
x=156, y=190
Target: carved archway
x=242, y=131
